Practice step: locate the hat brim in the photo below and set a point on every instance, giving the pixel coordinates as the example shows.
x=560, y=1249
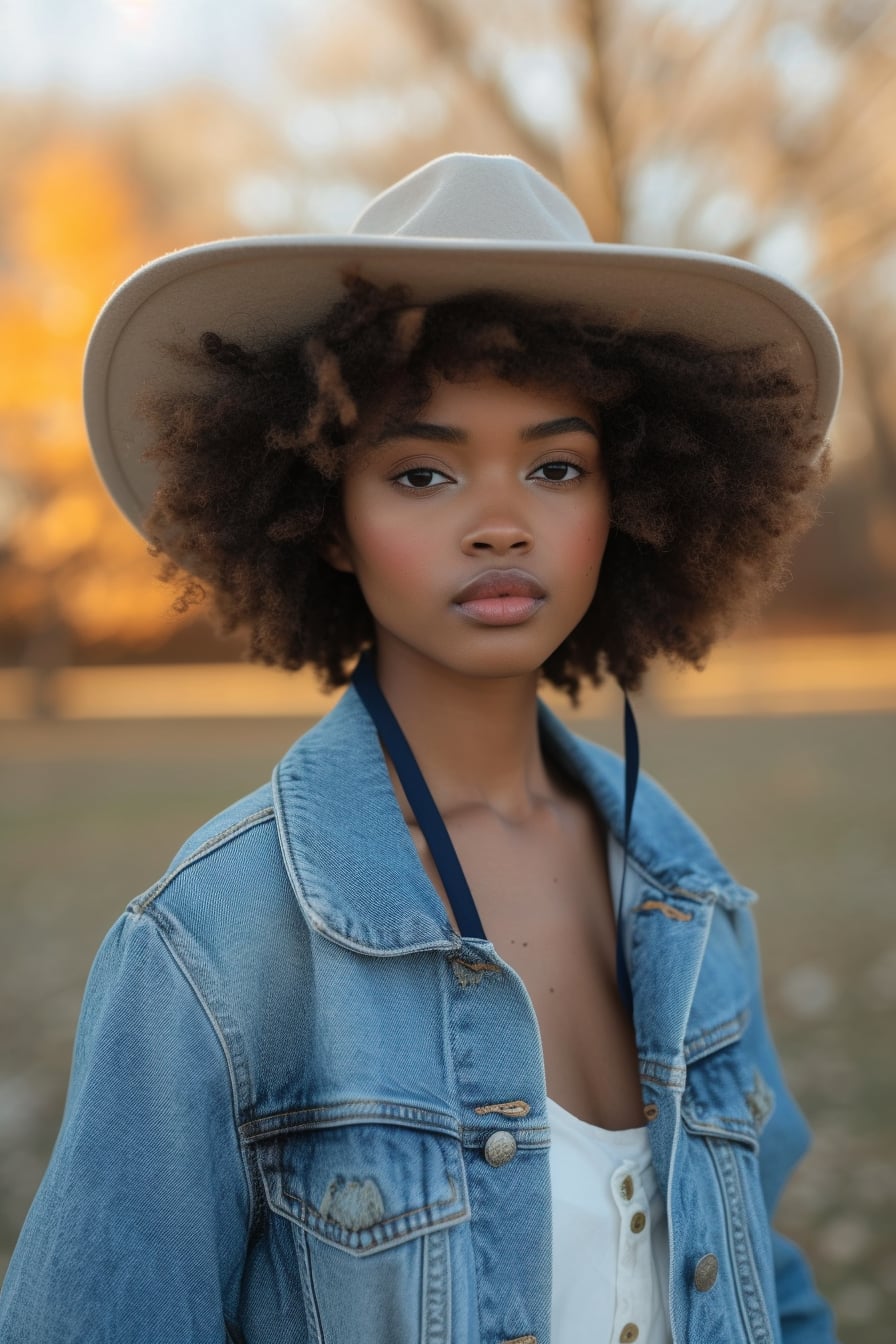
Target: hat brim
x=253, y=289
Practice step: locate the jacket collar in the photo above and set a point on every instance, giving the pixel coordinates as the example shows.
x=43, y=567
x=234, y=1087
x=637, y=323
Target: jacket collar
x=354, y=866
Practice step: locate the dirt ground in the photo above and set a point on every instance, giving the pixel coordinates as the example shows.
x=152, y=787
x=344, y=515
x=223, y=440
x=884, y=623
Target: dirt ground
x=800, y=808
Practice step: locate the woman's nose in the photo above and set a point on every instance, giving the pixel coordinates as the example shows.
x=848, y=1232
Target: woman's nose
x=499, y=537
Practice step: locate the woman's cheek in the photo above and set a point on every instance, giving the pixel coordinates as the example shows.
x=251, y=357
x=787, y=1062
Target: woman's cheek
x=585, y=546
x=392, y=550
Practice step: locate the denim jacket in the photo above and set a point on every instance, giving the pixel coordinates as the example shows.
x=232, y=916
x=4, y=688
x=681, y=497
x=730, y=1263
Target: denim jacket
x=288, y=1068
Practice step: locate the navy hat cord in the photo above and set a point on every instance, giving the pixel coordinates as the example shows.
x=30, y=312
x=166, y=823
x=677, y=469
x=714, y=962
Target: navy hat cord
x=429, y=819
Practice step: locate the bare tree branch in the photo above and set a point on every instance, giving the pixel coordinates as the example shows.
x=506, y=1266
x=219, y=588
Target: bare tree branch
x=865, y=248
x=866, y=368
x=591, y=17
x=440, y=24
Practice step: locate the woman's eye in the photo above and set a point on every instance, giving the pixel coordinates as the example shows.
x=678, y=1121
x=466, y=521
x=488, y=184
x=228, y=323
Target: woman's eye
x=557, y=471
x=418, y=478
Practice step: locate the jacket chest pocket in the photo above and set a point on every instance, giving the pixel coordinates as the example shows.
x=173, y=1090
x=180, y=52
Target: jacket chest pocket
x=370, y=1207
x=726, y=1097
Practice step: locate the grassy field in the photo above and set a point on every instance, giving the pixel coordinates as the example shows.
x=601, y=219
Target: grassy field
x=801, y=809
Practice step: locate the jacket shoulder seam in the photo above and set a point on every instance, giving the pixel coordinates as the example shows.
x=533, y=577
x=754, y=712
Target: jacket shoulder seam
x=156, y=919
x=141, y=904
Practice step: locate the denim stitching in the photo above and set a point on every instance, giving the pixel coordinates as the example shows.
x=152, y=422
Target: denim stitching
x=746, y=1276
x=737, y=1120
x=382, y=1242
x=653, y=881
x=452, y=940
x=240, y=1074
x=306, y=1280
x=731, y=898
x=379, y=1237
x=527, y=1137
x=703, y=934
x=258, y=1195
x=231, y=1072
x=708, y=1042
x=670, y=1076
x=435, y=1316
x=741, y=1132
x=738, y=896
x=449, y=1064
x=357, y=1111
x=140, y=904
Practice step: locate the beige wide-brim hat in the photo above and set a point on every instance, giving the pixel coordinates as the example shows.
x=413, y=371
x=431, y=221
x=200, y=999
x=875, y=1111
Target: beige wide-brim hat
x=462, y=222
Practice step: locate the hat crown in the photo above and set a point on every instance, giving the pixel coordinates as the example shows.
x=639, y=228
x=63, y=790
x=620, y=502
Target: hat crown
x=474, y=196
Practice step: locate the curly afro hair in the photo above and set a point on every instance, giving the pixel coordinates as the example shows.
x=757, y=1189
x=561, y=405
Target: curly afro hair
x=713, y=460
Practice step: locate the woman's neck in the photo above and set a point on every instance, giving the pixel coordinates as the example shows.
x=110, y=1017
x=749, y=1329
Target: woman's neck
x=475, y=738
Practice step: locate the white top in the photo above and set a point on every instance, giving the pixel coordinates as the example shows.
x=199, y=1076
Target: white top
x=610, y=1237
x=610, y=1240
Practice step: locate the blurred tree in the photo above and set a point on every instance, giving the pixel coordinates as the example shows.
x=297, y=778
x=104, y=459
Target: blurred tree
x=71, y=564
x=85, y=207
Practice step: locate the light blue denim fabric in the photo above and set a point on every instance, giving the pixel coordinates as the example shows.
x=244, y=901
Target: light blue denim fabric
x=287, y=1067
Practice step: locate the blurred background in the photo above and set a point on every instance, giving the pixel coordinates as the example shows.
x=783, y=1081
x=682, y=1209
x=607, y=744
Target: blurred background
x=761, y=128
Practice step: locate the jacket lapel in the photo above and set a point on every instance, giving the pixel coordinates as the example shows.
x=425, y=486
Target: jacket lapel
x=356, y=872
x=349, y=854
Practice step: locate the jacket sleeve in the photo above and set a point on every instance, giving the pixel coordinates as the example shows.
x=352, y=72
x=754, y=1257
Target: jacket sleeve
x=785, y=1138
x=138, y=1230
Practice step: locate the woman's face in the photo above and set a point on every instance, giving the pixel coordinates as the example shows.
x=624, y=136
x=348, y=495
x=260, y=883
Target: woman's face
x=489, y=482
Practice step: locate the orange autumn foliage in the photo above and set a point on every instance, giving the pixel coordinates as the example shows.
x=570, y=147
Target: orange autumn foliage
x=74, y=232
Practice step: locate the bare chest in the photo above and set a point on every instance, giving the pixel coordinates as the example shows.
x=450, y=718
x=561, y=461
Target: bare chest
x=545, y=903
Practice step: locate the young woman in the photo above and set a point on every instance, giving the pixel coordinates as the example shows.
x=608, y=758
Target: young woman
x=446, y=1035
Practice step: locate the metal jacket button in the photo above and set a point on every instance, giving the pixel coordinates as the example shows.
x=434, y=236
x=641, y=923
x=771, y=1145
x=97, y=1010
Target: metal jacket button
x=629, y=1334
x=499, y=1148
x=705, y=1273
x=627, y=1188
x=639, y=1222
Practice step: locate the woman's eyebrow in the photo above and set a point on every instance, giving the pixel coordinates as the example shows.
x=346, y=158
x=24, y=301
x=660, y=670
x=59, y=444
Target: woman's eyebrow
x=420, y=429
x=569, y=424
x=548, y=429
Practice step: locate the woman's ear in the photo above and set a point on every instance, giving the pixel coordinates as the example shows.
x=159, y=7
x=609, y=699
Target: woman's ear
x=335, y=550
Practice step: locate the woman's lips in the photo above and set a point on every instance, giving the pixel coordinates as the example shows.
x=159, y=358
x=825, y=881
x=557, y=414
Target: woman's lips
x=500, y=597
x=500, y=610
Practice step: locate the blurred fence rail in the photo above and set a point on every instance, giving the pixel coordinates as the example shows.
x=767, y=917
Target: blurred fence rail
x=793, y=675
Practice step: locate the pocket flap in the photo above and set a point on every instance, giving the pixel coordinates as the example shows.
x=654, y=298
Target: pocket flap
x=364, y=1187
x=725, y=1096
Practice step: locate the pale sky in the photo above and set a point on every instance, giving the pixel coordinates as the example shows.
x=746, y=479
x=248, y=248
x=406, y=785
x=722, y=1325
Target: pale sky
x=110, y=49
